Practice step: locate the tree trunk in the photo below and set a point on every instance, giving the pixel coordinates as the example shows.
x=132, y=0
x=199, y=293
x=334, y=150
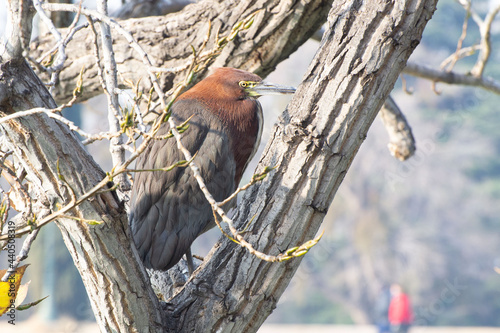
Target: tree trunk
x=116, y=282
x=362, y=53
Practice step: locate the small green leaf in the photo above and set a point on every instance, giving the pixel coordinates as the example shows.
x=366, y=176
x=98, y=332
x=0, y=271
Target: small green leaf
x=221, y=42
x=29, y=305
x=79, y=84
x=167, y=111
x=190, y=77
x=182, y=129
x=233, y=35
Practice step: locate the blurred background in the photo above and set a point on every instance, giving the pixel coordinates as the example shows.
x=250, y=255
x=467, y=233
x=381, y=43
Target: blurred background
x=430, y=224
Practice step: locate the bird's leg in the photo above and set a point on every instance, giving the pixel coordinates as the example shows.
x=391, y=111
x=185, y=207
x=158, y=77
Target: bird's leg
x=190, y=263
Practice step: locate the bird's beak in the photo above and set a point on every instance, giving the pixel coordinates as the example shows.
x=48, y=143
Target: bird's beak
x=264, y=88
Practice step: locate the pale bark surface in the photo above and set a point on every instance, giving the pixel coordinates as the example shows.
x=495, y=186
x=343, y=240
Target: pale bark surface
x=362, y=52
x=103, y=254
x=274, y=35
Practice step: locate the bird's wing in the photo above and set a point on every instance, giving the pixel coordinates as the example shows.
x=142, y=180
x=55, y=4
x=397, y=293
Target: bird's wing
x=168, y=209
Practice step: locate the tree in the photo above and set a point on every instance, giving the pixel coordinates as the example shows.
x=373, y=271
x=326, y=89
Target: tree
x=363, y=50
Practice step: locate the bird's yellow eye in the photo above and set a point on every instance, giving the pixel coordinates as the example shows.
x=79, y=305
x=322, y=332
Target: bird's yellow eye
x=247, y=84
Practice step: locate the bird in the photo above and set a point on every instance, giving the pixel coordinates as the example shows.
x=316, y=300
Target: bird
x=168, y=211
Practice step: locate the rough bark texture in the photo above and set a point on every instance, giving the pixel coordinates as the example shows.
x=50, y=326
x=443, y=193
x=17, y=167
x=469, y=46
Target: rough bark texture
x=59, y=170
x=143, y=8
x=116, y=282
x=279, y=29
x=362, y=52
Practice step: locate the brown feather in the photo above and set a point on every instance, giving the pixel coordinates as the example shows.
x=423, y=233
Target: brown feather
x=168, y=210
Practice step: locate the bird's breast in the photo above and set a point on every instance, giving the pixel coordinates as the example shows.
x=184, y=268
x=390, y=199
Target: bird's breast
x=245, y=134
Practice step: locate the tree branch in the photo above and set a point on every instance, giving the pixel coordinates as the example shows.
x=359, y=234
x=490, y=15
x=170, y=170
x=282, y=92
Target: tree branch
x=111, y=83
x=437, y=75
x=168, y=39
x=485, y=50
x=401, y=141
x=17, y=31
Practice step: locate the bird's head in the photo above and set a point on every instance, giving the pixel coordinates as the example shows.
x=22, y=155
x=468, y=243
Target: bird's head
x=235, y=84
x=259, y=88
x=231, y=96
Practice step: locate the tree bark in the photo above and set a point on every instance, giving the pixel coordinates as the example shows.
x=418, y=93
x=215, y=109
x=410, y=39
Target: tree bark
x=278, y=30
x=59, y=169
x=362, y=53
x=116, y=282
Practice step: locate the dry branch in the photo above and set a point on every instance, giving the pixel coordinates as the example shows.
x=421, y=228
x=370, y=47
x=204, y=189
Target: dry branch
x=401, y=141
x=475, y=77
x=274, y=36
x=437, y=75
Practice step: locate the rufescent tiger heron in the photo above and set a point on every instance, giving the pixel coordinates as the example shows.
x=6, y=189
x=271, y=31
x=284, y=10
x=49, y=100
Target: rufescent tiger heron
x=168, y=209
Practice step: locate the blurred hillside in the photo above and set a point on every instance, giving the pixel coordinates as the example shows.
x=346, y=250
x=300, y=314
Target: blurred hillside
x=430, y=223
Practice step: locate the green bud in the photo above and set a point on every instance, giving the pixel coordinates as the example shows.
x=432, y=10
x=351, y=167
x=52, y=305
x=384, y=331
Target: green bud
x=190, y=77
x=221, y=42
x=233, y=35
x=238, y=25
x=300, y=253
x=248, y=24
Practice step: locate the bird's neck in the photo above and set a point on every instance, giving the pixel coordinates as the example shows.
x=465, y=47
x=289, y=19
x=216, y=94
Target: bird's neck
x=244, y=123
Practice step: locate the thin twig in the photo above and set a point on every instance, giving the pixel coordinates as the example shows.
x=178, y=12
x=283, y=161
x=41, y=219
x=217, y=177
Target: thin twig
x=255, y=178
x=6, y=209
x=475, y=16
x=23, y=254
x=61, y=54
x=16, y=184
x=455, y=56
x=485, y=51
x=111, y=82
x=462, y=53
x=50, y=112
x=65, y=41
x=96, y=54
x=404, y=85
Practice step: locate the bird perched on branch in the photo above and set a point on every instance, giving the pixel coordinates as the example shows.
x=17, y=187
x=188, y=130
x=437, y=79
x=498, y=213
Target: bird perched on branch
x=168, y=209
